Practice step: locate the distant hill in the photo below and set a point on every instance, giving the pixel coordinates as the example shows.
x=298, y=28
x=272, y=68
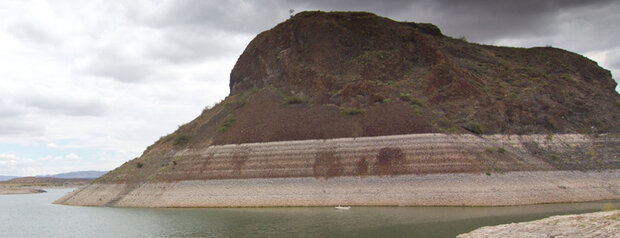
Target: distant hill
x=47, y=181
x=91, y=174
x=5, y=178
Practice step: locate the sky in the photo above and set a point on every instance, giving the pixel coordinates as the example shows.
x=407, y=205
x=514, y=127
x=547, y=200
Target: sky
x=88, y=85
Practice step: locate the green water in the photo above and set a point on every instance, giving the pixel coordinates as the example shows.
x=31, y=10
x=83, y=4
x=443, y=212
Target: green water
x=33, y=215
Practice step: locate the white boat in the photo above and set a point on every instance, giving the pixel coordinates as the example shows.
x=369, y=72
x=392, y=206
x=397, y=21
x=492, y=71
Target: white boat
x=342, y=208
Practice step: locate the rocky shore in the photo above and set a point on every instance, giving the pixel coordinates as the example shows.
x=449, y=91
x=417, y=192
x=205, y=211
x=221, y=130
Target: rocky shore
x=512, y=188
x=598, y=224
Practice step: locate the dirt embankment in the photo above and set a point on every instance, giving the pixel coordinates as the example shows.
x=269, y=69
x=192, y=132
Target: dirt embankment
x=598, y=224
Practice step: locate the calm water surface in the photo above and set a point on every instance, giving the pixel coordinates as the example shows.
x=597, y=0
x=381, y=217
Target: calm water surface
x=33, y=215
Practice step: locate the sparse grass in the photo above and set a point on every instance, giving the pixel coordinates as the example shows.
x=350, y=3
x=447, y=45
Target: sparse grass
x=554, y=157
x=225, y=125
x=352, y=110
x=609, y=207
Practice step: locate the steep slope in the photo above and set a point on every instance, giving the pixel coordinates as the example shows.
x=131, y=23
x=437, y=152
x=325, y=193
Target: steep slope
x=331, y=75
x=404, y=99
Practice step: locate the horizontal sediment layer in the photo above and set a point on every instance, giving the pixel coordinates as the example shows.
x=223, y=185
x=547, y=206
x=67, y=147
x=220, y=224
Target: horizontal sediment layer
x=382, y=155
x=460, y=189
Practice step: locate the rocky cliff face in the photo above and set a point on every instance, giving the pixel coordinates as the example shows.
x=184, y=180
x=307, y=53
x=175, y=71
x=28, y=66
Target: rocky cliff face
x=332, y=75
x=348, y=74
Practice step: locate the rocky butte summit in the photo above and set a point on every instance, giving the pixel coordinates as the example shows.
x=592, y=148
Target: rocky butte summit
x=352, y=108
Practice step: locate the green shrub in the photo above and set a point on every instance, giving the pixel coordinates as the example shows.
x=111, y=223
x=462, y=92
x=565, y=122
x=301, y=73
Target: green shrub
x=295, y=99
x=352, y=110
x=139, y=165
x=225, y=125
x=406, y=97
x=488, y=173
x=490, y=150
x=417, y=102
x=174, y=162
x=452, y=130
x=474, y=128
x=501, y=150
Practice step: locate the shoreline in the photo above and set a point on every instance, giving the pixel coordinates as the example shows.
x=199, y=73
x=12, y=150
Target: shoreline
x=500, y=189
x=596, y=224
x=10, y=190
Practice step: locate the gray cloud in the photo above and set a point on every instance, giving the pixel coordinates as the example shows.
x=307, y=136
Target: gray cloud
x=234, y=16
x=33, y=32
x=20, y=127
x=67, y=106
x=181, y=45
x=110, y=63
x=10, y=110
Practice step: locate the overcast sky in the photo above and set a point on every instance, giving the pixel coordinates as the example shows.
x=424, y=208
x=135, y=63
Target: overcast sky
x=87, y=85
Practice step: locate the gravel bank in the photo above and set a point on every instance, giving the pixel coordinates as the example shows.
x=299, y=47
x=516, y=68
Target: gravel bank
x=598, y=224
x=463, y=189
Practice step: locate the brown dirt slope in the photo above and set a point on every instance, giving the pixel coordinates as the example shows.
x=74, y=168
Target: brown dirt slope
x=322, y=75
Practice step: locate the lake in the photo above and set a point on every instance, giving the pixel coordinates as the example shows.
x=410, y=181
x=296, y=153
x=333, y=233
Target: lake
x=33, y=215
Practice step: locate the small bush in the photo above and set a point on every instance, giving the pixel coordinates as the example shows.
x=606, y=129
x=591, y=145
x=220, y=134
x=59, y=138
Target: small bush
x=225, y=125
x=295, y=100
x=181, y=140
x=405, y=97
x=474, y=128
x=501, y=150
x=174, y=162
x=352, y=110
x=490, y=150
x=554, y=157
x=139, y=165
x=488, y=173
x=549, y=137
